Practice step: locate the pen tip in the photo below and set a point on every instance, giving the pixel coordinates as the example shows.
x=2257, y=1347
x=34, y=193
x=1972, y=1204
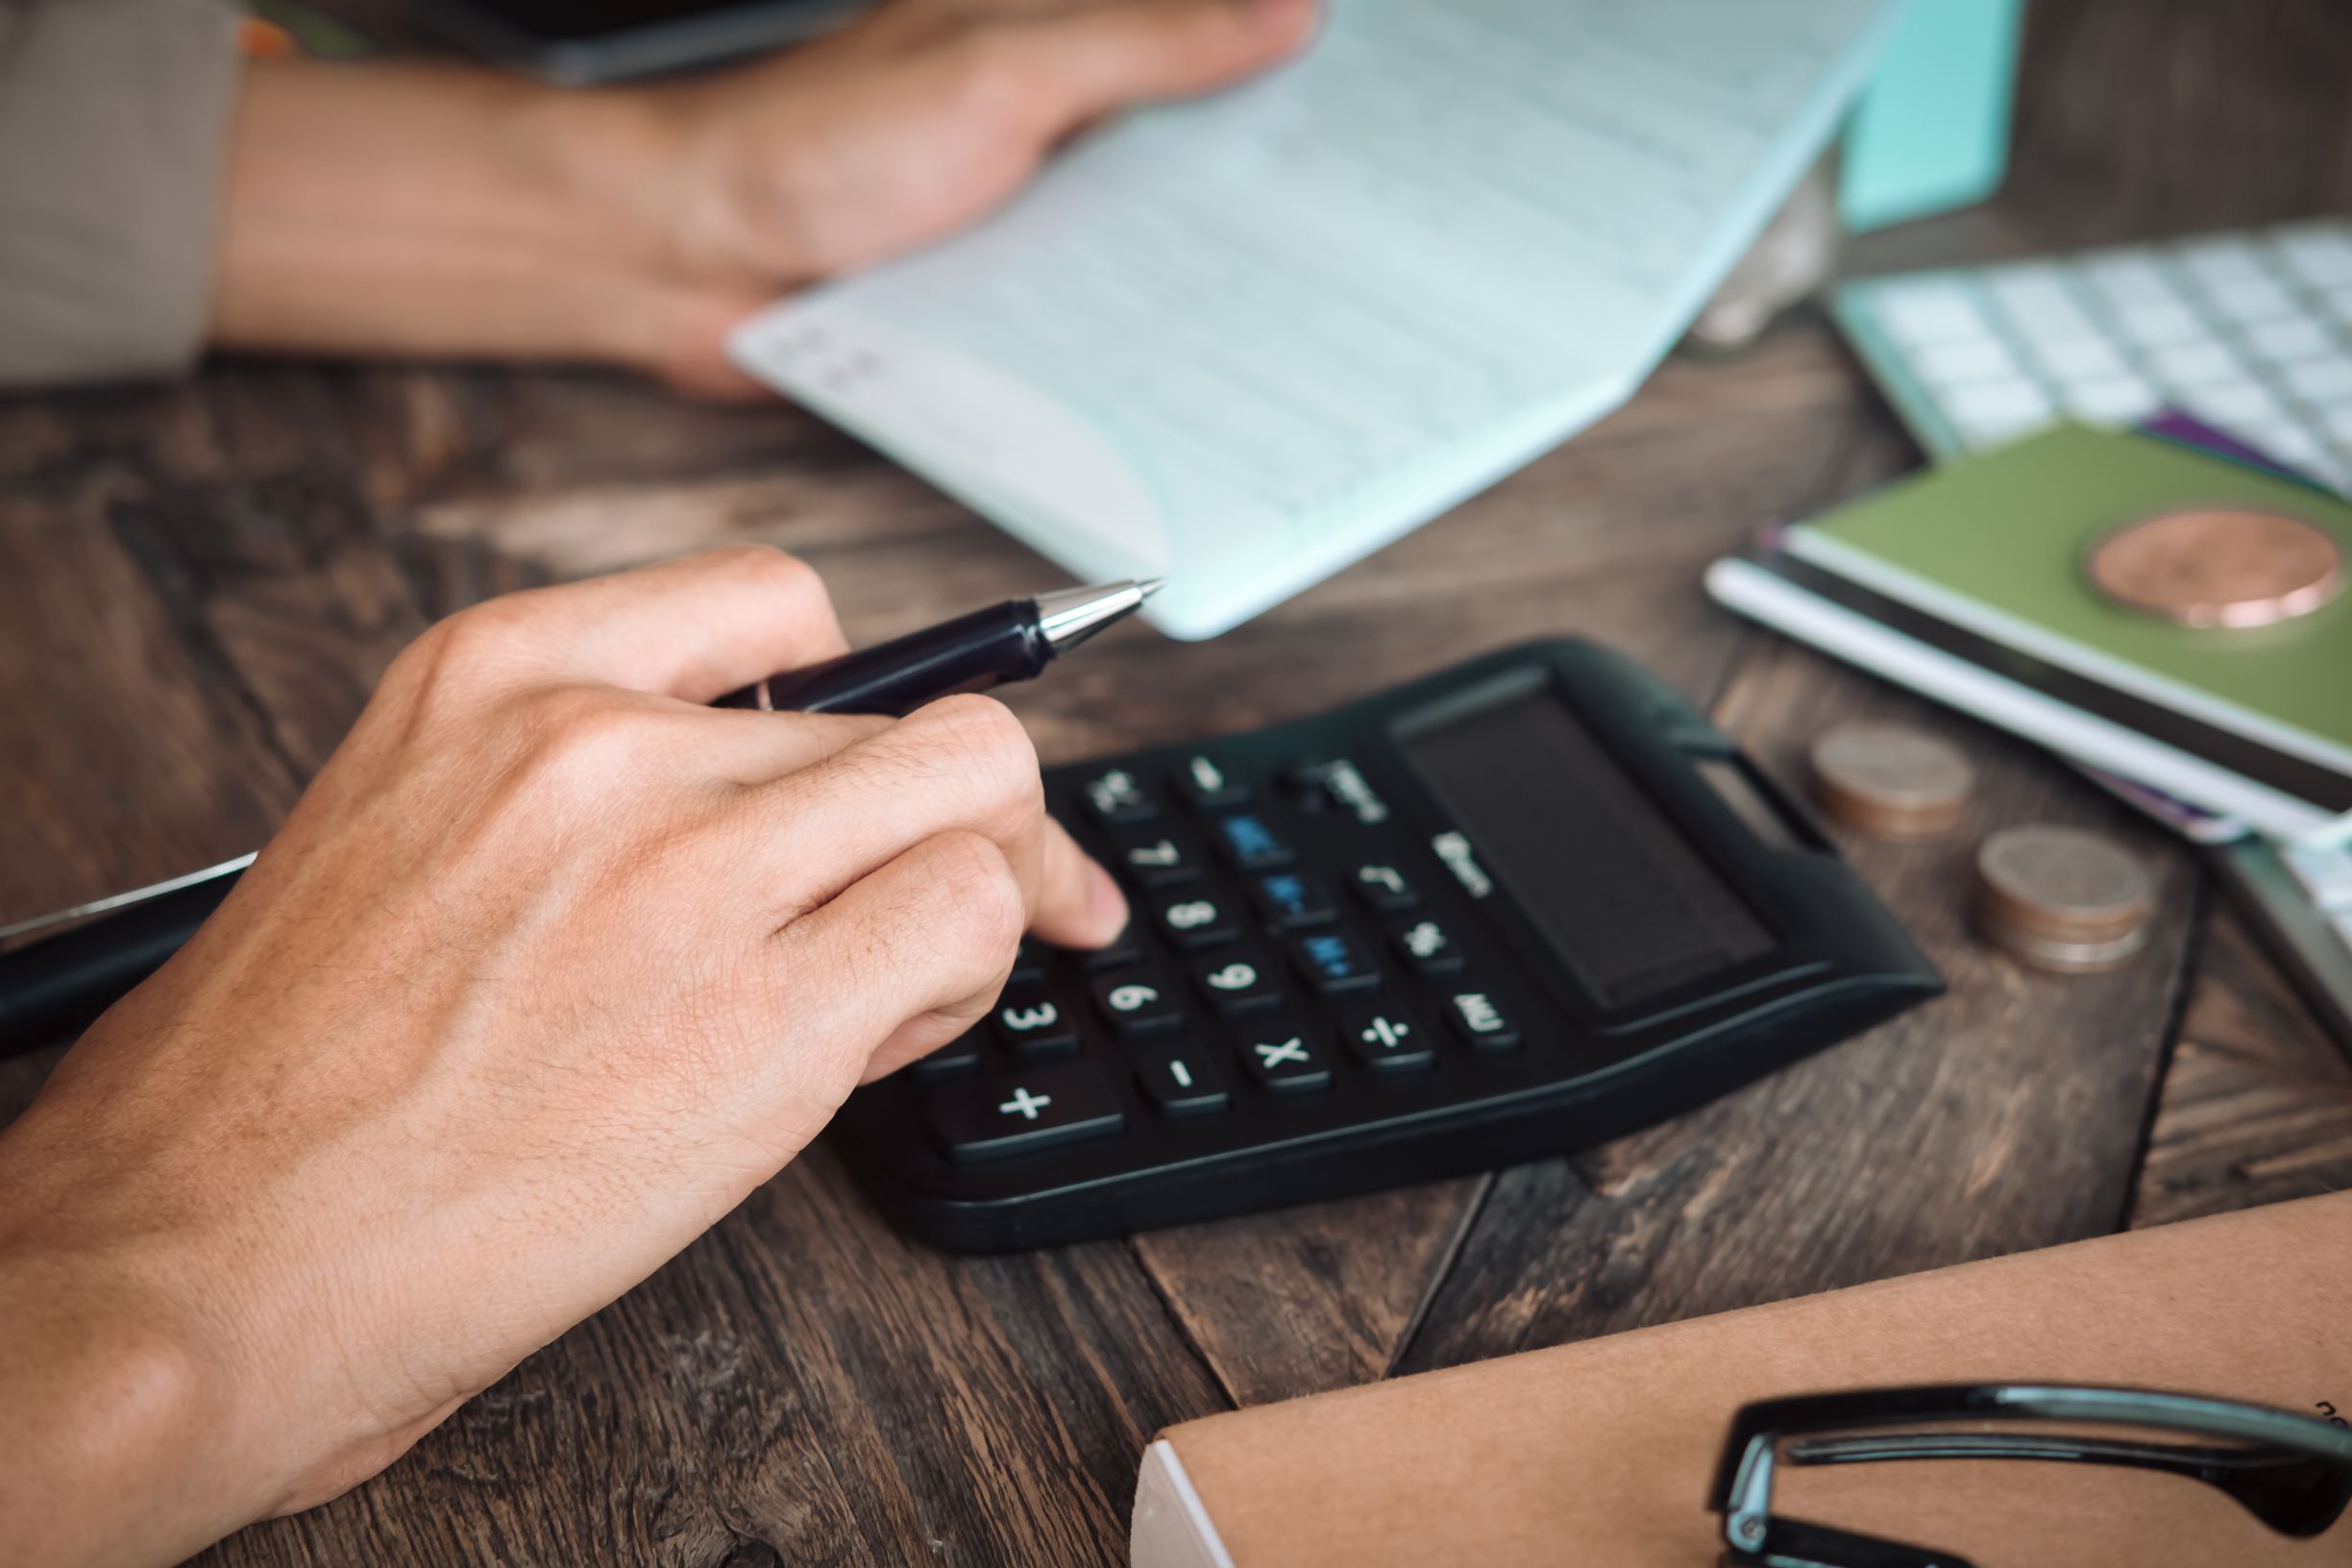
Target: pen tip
x=1150, y=586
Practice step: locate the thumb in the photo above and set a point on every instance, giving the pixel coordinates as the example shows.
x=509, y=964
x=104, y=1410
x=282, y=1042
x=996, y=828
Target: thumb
x=1102, y=57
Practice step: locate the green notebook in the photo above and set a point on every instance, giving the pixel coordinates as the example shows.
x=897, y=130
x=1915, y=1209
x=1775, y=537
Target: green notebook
x=1996, y=545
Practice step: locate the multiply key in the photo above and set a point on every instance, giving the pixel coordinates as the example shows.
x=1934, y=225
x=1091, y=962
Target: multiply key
x=1283, y=1060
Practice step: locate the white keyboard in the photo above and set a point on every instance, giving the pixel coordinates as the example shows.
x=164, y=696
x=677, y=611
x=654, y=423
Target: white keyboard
x=2250, y=333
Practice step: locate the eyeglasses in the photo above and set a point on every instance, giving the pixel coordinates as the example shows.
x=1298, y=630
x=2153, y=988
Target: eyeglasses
x=2292, y=1472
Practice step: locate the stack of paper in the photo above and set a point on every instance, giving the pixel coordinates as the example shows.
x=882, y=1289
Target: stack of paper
x=1245, y=342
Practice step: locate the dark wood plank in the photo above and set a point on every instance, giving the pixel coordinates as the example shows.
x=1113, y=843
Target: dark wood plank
x=2258, y=1105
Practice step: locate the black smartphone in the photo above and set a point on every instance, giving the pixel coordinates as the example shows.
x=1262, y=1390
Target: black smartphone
x=577, y=42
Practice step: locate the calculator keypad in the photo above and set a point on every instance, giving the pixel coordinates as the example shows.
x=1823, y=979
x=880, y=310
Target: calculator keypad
x=1253, y=971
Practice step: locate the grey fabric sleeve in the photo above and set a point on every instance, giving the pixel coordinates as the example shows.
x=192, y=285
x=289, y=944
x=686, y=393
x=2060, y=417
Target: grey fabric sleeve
x=113, y=127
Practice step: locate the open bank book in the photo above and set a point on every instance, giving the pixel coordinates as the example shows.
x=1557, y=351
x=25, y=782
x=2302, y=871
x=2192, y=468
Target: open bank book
x=1243, y=342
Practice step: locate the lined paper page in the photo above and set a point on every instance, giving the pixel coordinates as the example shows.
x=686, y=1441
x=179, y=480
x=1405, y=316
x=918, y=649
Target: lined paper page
x=1243, y=341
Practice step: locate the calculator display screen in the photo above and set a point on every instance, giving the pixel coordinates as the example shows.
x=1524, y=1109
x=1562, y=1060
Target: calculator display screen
x=1630, y=904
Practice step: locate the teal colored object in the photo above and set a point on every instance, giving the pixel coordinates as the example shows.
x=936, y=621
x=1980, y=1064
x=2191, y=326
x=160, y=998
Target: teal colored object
x=1932, y=132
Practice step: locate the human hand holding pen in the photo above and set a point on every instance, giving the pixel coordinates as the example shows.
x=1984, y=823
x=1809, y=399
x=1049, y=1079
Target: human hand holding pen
x=549, y=968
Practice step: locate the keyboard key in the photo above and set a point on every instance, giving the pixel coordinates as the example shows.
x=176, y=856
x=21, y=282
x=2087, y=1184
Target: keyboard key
x=1968, y=359
x=2315, y=381
x=1480, y=1019
x=2152, y=326
x=1283, y=1060
x=1127, y=947
x=1332, y=961
x=1195, y=922
x=1425, y=946
x=1115, y=795
x=1032, y=1023
x=2251, y=299
x=952, y=1060
x=1152, y=860
x=1182, y=1081
x=2115, y=400
x=1136, y=1002
x=1029, y=961
x=1039, y=1110
x=2296, y=338
x=1291, y=899
x=1385, y=1040
x=1236, y=982
x=1926, y=312
x=2189, y=366
x=1383, y=887
x=2085, y=359
x=1251, y=842
x=2337, y=419
x=2325, y=872
x=1204, y=783
x=2319, y=254
x=2039, y=304
x=1990, y=410
x=2129, y=280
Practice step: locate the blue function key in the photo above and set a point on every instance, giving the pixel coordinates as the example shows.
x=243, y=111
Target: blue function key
x=1251, y=840
x=1291, y=899
x=1206, y=783
x=1236, y=982
x=1334, y=962
x=1424, y=945
x=1136, y=1001
x=1383, y=887
x=1195, y=922
x=1115, y=795
x=1032, y=1023
x=1480, y=1019
x=1145, y=859
x=1280, y=1058
x=1385, y=1039
x=1182, y=1081
x=1032, y=1111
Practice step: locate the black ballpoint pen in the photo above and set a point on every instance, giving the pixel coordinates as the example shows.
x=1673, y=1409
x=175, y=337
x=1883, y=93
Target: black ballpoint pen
x=55, y=985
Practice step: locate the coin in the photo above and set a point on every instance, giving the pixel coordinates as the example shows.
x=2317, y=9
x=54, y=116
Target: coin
x=2061, y=899
x=2219, y=566
x=1890, y=780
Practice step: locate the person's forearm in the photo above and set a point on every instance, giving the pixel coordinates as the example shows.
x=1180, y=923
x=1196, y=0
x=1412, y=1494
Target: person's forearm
x=434, y=211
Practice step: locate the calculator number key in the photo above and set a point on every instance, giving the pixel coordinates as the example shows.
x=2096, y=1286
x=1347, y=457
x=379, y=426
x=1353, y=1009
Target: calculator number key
x=1136, y=1004
x=1385, y=1039
x=1206, y=783
x=1282, y=1060
x=1116, y=795
x=1291, y=899
x=1235, y=984
x=1182, y=1082
x=1480, y=1019
x=1251, y=842
x=1333, y=960
x=1194, y=922
x=1153, y=860
x=1425, y=946
x=1032, y=1023
x=1383, y=887
x=1055, y=1104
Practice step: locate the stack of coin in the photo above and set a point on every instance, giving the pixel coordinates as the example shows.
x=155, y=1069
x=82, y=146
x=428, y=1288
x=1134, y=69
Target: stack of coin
x=2061, y=898
x=1891, y=781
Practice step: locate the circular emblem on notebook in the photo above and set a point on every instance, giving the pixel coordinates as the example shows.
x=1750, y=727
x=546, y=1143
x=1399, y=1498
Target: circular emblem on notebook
x=2219, y=566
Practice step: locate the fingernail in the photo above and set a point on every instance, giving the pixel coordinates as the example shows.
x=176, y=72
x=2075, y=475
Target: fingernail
x=1110, y=904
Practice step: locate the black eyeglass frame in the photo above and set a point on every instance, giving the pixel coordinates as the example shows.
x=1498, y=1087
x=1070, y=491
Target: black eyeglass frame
x=2290, y=1471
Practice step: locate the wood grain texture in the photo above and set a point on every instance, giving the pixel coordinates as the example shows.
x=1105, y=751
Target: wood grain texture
x=198, y=586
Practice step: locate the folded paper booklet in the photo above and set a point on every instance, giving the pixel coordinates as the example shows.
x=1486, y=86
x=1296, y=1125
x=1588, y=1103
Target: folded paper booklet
x=1600, y=1455
x=1242, y=342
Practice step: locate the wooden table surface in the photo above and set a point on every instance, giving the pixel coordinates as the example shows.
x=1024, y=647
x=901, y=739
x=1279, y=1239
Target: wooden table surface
x=200, y=583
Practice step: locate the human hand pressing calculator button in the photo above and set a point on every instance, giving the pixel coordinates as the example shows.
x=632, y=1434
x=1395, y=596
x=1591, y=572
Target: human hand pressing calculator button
x=1519, y=918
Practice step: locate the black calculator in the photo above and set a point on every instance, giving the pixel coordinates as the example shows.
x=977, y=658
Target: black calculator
x=1506, y=912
